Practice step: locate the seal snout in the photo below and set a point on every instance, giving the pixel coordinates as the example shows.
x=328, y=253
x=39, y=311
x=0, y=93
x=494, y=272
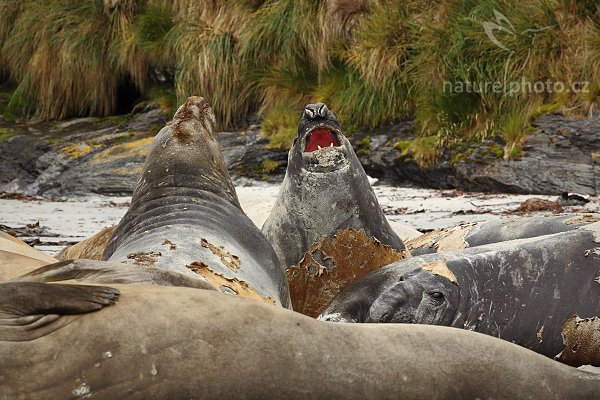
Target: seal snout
x=195, y=110
x=312, y=111
x=386, y=306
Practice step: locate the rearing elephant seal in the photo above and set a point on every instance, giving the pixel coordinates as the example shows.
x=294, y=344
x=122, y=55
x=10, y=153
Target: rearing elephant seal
x=185, y=215
x=326, y=225
x=526, y=291
x=177, y=343
x=325, y=190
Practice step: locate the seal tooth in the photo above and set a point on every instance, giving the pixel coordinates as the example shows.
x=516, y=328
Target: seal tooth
x=319, y=147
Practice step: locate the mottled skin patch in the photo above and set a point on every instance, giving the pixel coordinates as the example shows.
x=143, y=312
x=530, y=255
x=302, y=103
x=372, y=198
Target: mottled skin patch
x=581, y=337
x=146, y=259
x=582, y=219
x=90, y=248
x=195, y=111
x=172, y=246
x=508, y=228
x=331, y=264
x=440, y=268
x=443, y=239
x=229, y=260
x=323, y=192
x=227, y=285
x=184, y=194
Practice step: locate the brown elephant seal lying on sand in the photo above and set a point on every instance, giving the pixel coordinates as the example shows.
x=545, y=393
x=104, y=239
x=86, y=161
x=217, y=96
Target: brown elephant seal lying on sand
x=180, y=343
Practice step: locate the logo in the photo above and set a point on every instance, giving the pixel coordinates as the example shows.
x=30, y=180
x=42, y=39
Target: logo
x=504, y=25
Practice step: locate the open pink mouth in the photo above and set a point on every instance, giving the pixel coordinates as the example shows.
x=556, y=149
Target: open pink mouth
x=319, y=138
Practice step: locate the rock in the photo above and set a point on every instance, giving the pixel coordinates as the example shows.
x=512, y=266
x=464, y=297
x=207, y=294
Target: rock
x=246, y=155
x=21, y=162
x=561, y=155
x=105, y=155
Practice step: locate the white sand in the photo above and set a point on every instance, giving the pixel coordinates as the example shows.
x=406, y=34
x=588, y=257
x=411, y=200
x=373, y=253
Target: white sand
x=419, y=209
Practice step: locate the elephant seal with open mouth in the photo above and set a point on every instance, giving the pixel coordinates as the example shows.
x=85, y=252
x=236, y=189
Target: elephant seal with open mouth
x=541, y=293
x=185, y=215
x=326, y=225
x=325, y=190
x=74, y=341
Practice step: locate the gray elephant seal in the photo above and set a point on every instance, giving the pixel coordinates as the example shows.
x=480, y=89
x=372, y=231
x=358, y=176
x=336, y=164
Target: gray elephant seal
x=326, y=225
x=477, y=234
x=525, y=291
x=201, y=344
x=325, y=190
x=185, y=215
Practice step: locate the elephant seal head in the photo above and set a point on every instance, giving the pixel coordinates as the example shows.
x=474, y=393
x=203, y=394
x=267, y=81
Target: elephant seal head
x=418, y=297
x=320, y=145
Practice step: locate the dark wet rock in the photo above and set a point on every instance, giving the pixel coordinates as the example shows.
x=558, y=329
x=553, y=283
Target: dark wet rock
x=246, y=155
x=106, y=155
x=22, y=161
x=561, y=155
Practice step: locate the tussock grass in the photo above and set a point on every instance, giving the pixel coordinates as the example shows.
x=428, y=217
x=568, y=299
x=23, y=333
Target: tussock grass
x=280, y=125
x=424, y=150
x=371, y=61
x=59, y=54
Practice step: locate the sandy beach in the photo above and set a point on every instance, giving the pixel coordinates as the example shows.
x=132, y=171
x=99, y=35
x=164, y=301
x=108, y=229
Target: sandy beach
x=407, y=209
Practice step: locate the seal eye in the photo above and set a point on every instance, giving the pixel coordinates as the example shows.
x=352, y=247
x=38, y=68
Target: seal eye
x=438, y=296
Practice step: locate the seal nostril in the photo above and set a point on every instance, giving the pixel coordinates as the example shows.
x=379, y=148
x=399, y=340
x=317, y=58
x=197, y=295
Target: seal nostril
x=384, y=318
x=323, y=110
x=309, y=112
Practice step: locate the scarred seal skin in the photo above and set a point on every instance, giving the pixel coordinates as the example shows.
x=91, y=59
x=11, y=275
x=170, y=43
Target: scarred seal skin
x=523, y=291
x=511, y=228
x=325, y=190
x=185, y=215
x=148, y=342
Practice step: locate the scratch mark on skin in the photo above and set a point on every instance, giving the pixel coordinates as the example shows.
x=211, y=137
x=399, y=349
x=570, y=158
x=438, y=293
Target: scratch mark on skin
x=440, y=268
x=227, y=285
x=231, y=261
x=540, y=333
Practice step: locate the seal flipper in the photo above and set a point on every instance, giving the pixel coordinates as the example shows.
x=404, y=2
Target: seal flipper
x=29, y=310
x=107, y=273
